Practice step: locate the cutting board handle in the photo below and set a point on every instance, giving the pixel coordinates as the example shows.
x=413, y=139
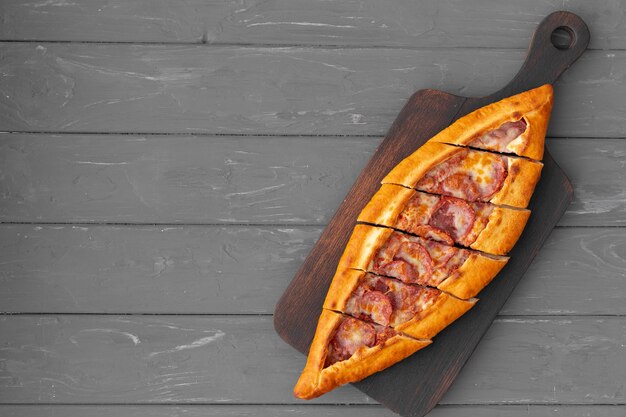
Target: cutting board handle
x=558, y=41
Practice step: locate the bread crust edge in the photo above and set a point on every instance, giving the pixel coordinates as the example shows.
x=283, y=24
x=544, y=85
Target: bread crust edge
x=474, y=275
x=503, y=230
x=316, y=380
x=535, y=106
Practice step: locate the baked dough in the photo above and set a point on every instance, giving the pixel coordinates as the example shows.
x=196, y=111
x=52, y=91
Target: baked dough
x=533, y=106
x=424, y=325
x=516, y=189
x=503, y=229
x=474, y=275
x=316, y=379
x=465, y=282
x=502, y=232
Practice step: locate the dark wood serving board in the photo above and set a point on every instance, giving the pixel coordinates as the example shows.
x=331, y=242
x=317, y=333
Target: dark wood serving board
x=414, y=386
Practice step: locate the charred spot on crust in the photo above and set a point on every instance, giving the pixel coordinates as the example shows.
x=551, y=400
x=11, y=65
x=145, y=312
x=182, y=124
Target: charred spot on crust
x=514, y=170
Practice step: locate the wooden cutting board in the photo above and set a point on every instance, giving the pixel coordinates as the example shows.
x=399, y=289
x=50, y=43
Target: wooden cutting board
x=414, y=386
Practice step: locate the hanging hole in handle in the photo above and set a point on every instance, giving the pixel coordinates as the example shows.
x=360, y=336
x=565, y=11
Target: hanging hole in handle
x=562, y=37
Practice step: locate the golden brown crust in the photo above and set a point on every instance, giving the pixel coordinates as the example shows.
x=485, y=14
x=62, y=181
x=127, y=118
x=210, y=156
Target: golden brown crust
x=362, y=245
x=308, y=385
x=533, y=105
x=474, y=275
x=316, y=380
x=446, y=309
x=519, y=184
x=360, y=249
x=516, y=191
x=386, y=205
x=504, y=228
x=437, y=317
x=537, y=126
x=341, y=288
x=467, y=281
x=412, y=168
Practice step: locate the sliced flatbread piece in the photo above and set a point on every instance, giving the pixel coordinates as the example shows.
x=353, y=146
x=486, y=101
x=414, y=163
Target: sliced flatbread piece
x=516, y=125
x=480, y=226
x=468, y=174
x=417, y=260
x=415, y=310
x=345, y=349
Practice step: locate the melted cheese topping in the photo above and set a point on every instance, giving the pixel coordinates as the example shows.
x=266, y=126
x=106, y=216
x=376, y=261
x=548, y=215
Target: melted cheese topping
x=508, y=137
x=421, y=206
x=407, y=300
x=409, y=221
x=483, y=169
x=469, y=174
x=461, y=221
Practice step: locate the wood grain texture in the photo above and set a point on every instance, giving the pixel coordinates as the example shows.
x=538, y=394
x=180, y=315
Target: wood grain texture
x=244, y=269
x=260, y=90
x=588, y=262
x=182, y=179
x=598, y=176
x=307, y=410
x=113, y=20
x=404, y=23
x=581, y=346
x=148, y=359
x=225, y=180
x=146, y=269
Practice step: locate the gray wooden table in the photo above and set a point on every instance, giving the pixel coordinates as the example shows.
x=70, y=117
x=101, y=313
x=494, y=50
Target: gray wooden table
x=167, y=165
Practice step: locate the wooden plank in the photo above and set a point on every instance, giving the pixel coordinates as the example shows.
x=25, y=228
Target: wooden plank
x=306, y=410
x=113, y=21
x=405, y=23
x=294, y=90
x=526, y=411
x=149, y=359
x=116, y=269
x=596, y=168
x=213, y=359
x=182, y=179
x=243, y=270
x=248, y=179
x=577, y=271
x=545, y=360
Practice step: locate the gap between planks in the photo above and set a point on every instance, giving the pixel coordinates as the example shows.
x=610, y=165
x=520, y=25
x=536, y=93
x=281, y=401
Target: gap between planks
x=303, y=404
x=270, y=45
x=206, y=134
x=500, y=317
x=235, y=224
x=203, y=42
x=338, y=136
